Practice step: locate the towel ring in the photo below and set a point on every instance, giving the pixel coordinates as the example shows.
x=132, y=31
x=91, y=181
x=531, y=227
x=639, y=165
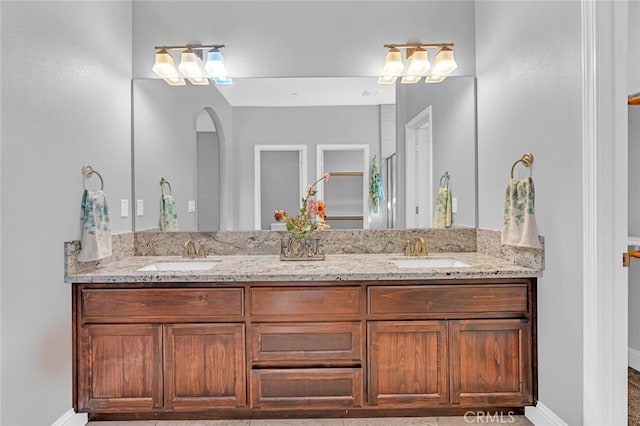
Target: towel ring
x=445, y=177
x=87, y=172
x=526, y=160
x=164, y=182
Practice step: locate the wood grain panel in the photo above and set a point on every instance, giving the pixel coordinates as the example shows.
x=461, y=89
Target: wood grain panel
x=330, y=342
x=408, y=363
x=447, y=299
x=115, y=303
x=305, y=301
x=306, y=388
x=123, y=367
x=204, y=366
x=491, y=362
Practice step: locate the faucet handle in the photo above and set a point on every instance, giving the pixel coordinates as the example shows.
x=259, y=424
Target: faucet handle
x=202, y=252
x=420, y=247
x=407, y=247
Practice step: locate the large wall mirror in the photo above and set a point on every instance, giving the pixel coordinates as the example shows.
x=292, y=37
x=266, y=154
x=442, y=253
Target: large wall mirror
x=203, y=139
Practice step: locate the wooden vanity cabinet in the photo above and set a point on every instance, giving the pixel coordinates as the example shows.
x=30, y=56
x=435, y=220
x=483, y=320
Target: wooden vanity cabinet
x=147, y=350
x=300, y=349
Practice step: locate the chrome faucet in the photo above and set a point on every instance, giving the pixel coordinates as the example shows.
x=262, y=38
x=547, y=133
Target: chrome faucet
x=416, y=248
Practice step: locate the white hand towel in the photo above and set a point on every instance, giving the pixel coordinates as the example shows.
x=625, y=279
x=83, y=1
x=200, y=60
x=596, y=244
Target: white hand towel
x=519, y=223
x=95, y=243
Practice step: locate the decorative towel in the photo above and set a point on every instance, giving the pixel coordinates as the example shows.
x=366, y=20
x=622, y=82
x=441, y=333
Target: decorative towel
x=442, y=214
x=168, y=213
x=95, y=243
x=376, y=188
x=519, y=224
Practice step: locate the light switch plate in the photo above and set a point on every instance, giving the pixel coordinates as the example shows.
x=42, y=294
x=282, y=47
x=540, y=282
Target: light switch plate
x=191, y=206
x=454, y=205
x=124, y=208
x=139, y=207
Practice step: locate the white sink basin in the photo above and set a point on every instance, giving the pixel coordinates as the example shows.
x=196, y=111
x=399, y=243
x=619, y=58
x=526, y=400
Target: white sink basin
x=430, y=263
x=193, y=265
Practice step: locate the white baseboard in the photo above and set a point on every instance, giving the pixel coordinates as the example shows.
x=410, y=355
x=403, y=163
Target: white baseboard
x=634, y=359
x=71, y=418
x=541, y=415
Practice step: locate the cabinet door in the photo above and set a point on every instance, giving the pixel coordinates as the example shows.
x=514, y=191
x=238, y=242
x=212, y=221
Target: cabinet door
x=490, y=362
x=120, y=367
x=408, y=363
x=204, y=366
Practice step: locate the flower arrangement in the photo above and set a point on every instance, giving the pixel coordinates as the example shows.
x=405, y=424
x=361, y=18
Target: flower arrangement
x=312, y=214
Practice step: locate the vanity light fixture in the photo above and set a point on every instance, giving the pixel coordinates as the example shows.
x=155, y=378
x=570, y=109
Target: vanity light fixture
x=418, y=59
x=191, y=65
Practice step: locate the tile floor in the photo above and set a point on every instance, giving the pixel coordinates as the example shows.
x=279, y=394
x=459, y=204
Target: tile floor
x=398, y=421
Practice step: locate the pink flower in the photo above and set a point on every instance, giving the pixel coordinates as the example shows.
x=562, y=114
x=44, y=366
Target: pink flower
x=325, y=176
x=278, y=215
x=311, y=207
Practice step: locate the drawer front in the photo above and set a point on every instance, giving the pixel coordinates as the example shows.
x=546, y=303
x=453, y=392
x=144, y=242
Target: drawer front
x=105, y=303
x=448, y=299
x=328, y=342
x=305, y=302
x=306, y=388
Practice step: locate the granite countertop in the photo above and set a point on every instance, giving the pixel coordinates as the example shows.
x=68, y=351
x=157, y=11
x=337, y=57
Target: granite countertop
x=336, y=267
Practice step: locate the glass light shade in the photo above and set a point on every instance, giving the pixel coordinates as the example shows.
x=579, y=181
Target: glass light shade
x=434, y=78
x=393, y=63
x=387, y=79
x=190, y=64
x=444, y=62
x=418, y=62
x=164, y=65
x=175, y=81
x=215, y=64
x=410, y=79
x=222, y=81
x=202, y=81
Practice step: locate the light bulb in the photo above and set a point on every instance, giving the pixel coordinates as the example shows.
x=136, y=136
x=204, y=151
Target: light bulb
x=190, y=64
x=215, y=64
x=393, y=63
x=418, y=62
x=444, y=62
x=164, y=65
x=175, y=81
x=410, y=79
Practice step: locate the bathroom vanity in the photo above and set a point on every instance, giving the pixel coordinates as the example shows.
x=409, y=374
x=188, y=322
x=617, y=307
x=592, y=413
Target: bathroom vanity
x=351, y=336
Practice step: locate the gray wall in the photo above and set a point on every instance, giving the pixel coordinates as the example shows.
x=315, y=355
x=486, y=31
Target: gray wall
x=66, y=69
x=165, y=145
x=208, y=180
x=454, y=139
x=302, y=38
x=529, y=100
x=634, y=225
x=633, y=77
x=292, y=126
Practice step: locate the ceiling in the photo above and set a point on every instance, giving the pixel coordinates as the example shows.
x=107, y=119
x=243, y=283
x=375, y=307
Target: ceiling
x=283, y=92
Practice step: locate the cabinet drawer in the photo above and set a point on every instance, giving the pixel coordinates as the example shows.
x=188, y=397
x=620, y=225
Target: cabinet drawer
x=448, y=299
x=105, y=303
x=328, y=342
x=305, y=302
x=306, y=388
